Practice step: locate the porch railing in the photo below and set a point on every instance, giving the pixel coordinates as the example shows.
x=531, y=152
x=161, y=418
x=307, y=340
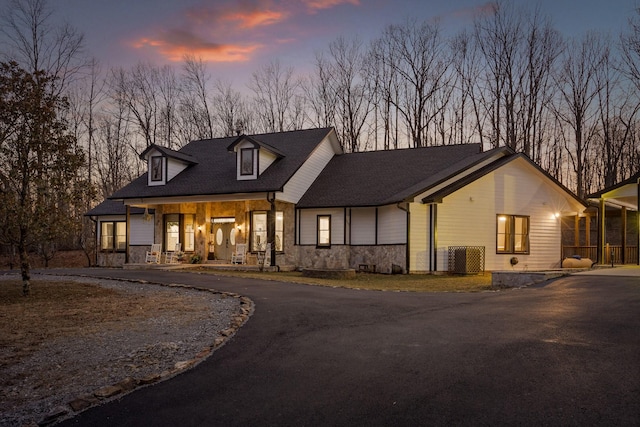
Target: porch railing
x=614, y=251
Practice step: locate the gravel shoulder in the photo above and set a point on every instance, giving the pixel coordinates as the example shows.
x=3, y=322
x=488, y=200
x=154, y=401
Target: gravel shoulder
x=63, y=375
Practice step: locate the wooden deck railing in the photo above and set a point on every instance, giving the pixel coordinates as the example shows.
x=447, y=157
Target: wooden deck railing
x=591, y=252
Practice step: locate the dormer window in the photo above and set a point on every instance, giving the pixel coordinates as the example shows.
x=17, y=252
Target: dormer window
x=164, y=164
x=156, y=168
x=253, y=157
x=246, y=161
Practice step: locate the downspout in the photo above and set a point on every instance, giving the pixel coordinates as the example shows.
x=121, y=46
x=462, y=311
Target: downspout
x=433, y=219
x=408, y=233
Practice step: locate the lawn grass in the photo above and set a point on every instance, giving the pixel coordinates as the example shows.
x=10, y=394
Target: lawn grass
x=377, y=282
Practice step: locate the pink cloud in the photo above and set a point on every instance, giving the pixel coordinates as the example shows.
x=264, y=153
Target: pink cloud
x=256, y=18
x=174, y=44
x=315, y=5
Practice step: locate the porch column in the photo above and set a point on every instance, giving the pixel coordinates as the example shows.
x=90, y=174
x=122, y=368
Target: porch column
x=271, y=228
x=587, y=237
x=576, y=231
x=601, y=232
x=623, y=218
x=126, y=238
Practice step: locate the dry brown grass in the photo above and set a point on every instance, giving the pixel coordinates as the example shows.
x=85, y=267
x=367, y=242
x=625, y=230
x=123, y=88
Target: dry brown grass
x=380, y=282
x=61, y=259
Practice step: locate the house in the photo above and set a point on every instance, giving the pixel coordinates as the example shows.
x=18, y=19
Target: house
x=409, y=210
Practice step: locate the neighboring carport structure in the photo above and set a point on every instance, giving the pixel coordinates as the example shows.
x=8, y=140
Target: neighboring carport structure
x=626, y=197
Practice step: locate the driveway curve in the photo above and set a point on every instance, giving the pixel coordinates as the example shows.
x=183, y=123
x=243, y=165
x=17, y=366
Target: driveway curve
x=565, y=352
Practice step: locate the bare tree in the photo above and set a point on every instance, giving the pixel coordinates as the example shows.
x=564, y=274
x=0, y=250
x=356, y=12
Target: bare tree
x=276, y=101
x=231, y=112
x=414, y=53
x=349, y=90
x=196, y=97
x=466, y=70
x=319, y=95
x=37, y=45
x=578, y=88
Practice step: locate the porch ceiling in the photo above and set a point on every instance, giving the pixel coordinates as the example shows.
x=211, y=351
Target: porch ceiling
x=624, y=196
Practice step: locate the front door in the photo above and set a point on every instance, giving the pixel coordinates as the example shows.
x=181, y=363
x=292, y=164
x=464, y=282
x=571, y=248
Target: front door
x=224, y=239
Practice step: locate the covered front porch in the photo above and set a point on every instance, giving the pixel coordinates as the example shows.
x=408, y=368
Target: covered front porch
x=618, y=225
x=222, y=233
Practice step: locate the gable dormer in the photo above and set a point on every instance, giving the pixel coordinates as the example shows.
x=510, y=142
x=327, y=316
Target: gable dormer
x=164, y=164
x=253, y=157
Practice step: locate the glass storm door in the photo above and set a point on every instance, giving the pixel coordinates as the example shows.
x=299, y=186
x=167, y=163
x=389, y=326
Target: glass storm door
x=224, y=235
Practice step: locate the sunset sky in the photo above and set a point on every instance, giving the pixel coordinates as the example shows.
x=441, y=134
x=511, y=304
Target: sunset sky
x=235, y=37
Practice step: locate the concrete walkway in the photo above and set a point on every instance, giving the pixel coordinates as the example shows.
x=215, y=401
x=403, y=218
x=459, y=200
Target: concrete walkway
x=620, y=271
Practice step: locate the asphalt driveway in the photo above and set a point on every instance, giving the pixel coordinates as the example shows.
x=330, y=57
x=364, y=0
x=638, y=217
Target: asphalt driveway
x=562, y=353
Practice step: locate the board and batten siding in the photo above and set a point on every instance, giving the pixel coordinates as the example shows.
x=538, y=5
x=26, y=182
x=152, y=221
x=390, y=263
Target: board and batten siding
x=309, y=225
x=392, y=225
x=468, y=216
x=302, y=179
x=419, y=237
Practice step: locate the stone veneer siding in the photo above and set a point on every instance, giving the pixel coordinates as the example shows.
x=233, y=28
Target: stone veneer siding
x=382, y=256
x=110, y=259
x=345, y=256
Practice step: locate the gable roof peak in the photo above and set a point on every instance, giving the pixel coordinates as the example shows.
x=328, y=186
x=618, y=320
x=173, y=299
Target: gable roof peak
x=169, y=153
x=256, y=143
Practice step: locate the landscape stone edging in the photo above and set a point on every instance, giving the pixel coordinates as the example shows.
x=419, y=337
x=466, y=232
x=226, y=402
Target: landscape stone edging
x=129, y=384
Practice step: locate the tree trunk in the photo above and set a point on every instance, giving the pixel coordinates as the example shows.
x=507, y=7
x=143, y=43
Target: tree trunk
x=24, y=268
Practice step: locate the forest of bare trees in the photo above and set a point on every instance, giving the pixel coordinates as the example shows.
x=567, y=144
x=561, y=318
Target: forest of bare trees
x=511, y=79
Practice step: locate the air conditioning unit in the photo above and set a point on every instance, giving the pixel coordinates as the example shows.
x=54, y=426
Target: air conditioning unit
x=466, y=259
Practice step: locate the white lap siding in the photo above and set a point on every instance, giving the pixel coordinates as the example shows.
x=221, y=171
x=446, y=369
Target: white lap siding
x=468, y=216
x=419, y=238
x=300, y=182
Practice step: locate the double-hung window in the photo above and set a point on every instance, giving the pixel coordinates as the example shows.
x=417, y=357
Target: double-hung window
x=113, y=235
x=512, y=234
x=323, y=239
x=179, y=228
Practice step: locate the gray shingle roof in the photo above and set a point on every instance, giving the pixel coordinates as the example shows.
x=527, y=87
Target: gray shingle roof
x=215, y=172
x=114, y=207
x=169, y=153
x=379, y=178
